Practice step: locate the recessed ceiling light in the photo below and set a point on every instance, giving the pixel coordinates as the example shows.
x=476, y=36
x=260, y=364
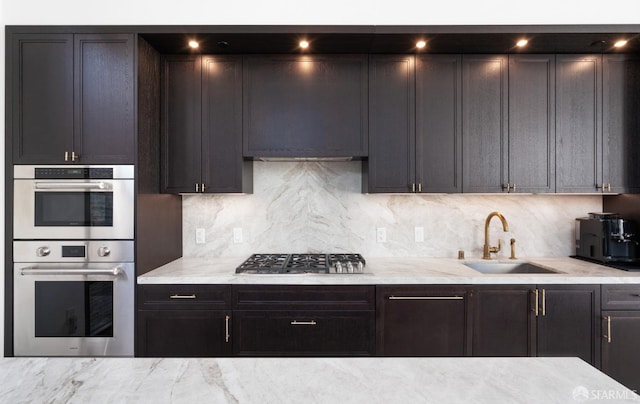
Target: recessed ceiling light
x=522, y=42
x=421, y=44
x=194, y=44
x=304, y=44
x=620, y=43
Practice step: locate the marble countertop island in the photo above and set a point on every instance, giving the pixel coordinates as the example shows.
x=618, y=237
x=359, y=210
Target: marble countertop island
x=381, y=271
x=306, y=380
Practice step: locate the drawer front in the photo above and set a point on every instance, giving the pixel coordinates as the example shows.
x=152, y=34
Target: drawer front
x=278, y=297
x=184, y=297
x=620, y=297
x=304, y=333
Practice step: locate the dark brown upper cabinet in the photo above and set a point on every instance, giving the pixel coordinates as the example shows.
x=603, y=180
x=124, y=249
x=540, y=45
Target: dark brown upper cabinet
x=305, y=106
x=621, y=123
x=414, y=124
x=73, y=98
x=391, y=165
x=202, y=125
x=578, y=123
x=484, y=122
x=531, y=130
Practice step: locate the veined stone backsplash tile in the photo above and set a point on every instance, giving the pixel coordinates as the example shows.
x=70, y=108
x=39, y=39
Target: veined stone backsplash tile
x=318, y=207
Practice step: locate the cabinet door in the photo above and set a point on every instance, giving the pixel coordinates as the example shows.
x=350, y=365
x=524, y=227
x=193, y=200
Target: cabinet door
x=418, y=321
x=105, y=99
x=439, y=123
x=222, y=163
x=305, y=333
x=184, y=333
x=305, y=106
x=569, y=321
x=531, y=146
x=621, y=123
x=484, y=122
x=181, y=125
x=620, y=349
x=391, y=165
x=504, y=321
x=578, y=123
x=42, y=98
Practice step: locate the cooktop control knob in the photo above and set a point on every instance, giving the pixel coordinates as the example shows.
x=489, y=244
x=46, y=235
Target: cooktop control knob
x=43, y=251
x=104, y=251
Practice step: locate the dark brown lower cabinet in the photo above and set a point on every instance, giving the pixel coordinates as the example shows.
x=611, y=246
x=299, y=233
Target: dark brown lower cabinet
x=183, y=320
x=301, y=320
x=504, y=320
x=620, y=347
x=569, y=321
x=422, y=321
x=184, y=333
x=621, y=333
x=547, y=320
x=303, y=333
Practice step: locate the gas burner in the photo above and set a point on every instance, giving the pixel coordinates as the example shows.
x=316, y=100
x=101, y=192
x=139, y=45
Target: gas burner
x=318, y=261
x=302, y=264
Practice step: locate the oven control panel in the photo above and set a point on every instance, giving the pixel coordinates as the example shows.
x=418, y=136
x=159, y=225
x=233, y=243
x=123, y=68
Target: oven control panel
x=73, y=251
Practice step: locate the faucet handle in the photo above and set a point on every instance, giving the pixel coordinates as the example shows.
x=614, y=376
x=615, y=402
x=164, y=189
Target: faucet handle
x=496, y=249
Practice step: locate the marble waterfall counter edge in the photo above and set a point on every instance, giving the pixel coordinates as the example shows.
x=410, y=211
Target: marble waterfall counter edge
x=382, y=271
x=306, y=380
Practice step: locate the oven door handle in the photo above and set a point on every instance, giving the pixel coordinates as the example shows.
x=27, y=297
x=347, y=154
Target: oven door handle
x=71, y=185
x=61, y=271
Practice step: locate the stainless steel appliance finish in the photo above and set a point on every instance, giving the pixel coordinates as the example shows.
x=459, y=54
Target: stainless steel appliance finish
x=302, y=264
x=73, y=298
x=73, y=202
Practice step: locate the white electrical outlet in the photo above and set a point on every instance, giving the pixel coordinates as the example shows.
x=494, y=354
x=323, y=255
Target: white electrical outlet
x=381, y=234
x=418, y=233
x=200, y=236
x=237, y=235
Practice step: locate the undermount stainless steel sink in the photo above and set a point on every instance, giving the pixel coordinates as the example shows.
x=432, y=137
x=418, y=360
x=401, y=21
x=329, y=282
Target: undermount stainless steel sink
x=508, y=267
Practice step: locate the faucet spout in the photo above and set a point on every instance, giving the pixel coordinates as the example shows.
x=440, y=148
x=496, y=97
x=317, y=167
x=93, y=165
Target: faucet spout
x=487, y=250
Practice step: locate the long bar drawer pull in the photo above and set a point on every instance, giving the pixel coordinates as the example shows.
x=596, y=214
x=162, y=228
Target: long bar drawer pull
x=426, y=297
x=226, y=329
x=192, y=296
x=608, y=336
x=296, y=322
x=60, y=271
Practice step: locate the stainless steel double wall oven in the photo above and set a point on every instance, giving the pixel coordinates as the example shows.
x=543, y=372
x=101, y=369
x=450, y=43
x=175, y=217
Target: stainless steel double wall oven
x=73, y=250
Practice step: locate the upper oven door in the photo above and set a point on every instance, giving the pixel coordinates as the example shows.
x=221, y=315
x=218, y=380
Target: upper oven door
x=73, y=208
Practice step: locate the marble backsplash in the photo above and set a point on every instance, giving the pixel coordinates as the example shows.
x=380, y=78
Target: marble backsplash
x=318, y=207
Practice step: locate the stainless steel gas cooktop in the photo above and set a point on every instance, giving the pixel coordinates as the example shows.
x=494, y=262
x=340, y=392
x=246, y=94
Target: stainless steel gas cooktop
x=302, y=264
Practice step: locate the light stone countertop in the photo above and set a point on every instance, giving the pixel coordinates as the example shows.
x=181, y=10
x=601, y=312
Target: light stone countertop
x=381, y=271
x=306, y=380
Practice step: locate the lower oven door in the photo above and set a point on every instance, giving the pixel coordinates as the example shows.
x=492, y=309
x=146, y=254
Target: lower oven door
x=73, y=309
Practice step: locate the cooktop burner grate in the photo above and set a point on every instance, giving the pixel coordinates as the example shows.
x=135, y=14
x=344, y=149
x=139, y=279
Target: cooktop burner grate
x=299, y=263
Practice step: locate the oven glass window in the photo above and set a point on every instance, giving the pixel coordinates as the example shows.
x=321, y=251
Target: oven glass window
x=74, y=308
x=74, y=209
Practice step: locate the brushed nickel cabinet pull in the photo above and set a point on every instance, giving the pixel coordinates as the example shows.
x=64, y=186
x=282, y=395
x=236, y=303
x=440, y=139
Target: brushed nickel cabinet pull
x=193, y=296
x=608, y=187
x=226, y=329
x=419, y=187
x=74, y=156
x=197, y=187
x=608, y=335
x=203, y=187
x=508, y=187
x=544, y=303
x=296, y=322
x=413, y=187
x=426, y=297
x=514, y=187
x=66, y=156
x=537, y=295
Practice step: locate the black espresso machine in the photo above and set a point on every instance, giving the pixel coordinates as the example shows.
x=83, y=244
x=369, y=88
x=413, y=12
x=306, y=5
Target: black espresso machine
x=608, y=238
